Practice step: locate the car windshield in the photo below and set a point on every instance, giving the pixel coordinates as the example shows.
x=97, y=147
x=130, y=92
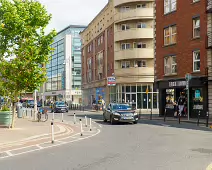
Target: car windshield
x=60, y=103
x=121, y=107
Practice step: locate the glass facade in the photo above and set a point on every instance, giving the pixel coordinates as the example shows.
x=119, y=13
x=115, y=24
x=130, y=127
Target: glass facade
x=56, y=68
x=140, y=96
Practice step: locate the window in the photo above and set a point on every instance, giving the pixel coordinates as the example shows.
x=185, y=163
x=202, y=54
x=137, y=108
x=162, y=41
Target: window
x=141, y=63
x=170, y=65
x=170, y=6
x=141, y=25
x=196, y=27
x=170, y=35
x=139, y=45
x=125, y=27
x=125, y=46
x=141, y=6
x=124, y=8
x=101, y=39
x=89, y=64
x=98, y=41
x=196, y=61
x=196, y=0
x=125, y=64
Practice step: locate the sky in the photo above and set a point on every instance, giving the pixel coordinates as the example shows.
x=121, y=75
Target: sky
x=71, y=12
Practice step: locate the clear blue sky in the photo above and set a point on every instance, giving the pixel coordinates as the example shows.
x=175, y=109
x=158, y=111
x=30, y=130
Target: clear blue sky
x=66, y=12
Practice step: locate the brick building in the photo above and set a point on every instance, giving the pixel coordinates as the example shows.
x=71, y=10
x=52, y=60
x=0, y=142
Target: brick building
x=181, y=48
x=118, y=43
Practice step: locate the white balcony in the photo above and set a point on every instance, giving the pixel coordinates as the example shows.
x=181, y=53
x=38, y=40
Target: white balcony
x=121, y=2
x=136, y=33
x=134, y=53
x=140, y=13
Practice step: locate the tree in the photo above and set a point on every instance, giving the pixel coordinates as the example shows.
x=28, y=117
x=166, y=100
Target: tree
x=24, y=46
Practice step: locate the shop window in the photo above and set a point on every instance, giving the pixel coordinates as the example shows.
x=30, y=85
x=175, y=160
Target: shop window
x=133, y=88
x=197, y=97
x=128, y=89
x=170, y=99
x=144, y=87
x=138, y=88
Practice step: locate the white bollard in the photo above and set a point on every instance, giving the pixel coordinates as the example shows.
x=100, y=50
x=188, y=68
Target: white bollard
x=74, y=118
x=86, y=122
x=53, y=115
x=90, y=125
x=62, y=117
x=52, y=127
x=81, y=127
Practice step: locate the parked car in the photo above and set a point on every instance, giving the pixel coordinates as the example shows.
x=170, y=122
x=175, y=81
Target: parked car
x=59, y=106
x=116, y=112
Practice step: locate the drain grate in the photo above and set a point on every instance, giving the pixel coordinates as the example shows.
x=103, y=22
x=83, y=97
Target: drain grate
x=202, y=150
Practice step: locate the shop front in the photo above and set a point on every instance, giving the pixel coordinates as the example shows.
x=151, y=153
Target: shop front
x=170, y=91
x=140, y=96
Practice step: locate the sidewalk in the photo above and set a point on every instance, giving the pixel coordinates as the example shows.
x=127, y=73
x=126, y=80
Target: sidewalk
x=25, y=129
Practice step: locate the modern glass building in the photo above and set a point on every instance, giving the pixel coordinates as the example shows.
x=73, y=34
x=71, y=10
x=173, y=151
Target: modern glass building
x=64, y=68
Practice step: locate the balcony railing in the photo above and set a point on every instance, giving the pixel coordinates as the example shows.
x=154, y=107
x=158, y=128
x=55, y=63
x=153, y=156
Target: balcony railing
x=209, y=6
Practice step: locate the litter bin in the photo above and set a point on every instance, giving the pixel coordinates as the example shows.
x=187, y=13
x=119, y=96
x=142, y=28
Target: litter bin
x=20, y=111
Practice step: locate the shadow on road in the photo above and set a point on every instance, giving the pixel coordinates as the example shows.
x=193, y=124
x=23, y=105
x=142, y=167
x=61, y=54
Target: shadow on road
x=175, y=124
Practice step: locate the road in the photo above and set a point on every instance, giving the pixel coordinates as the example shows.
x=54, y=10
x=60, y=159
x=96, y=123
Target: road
x=149, y=145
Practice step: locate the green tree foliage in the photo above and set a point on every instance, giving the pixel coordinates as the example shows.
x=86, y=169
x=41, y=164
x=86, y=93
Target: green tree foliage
x=24, y=46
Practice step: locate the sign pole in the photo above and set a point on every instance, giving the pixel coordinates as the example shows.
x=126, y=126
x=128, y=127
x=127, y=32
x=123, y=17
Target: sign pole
x=188, y=101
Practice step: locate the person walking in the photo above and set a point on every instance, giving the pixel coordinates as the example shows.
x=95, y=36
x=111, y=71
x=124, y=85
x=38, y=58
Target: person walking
x=181, y=103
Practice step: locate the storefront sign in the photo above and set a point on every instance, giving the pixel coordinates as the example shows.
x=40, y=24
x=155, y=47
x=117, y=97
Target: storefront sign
x=111, y=81
x=177, y=83
x=198, y=107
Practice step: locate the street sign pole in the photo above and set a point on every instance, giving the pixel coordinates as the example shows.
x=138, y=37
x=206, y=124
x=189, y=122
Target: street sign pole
x=188, y=78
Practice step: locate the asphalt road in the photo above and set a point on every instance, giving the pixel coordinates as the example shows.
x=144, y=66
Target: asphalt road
x=149, y=145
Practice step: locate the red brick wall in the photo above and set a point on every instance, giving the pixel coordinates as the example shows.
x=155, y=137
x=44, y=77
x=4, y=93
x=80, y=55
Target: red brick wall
x=185, y=44
x=110, y=50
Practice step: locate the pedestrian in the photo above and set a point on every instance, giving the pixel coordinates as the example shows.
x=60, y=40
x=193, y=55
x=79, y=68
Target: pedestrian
x=181, y=103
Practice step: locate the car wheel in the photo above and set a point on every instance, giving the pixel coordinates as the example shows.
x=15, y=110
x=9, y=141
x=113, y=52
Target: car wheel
x=111, y=120
x=135, y=122
x=104, y=119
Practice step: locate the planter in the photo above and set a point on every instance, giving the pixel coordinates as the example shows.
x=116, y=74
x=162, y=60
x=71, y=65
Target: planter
x=5, y=118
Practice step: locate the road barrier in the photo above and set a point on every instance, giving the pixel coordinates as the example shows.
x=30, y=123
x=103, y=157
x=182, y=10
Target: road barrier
x=198, y=118
x=90, y=124
x=74, y=118
x=86, y=122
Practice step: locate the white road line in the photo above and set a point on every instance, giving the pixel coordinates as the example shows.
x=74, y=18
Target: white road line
x=55, y=145
x=165, y=125
x=40, y=147
x=8, y=153
x=100, y=126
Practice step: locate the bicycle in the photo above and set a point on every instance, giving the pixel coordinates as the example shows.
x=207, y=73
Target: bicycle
x=39, y=115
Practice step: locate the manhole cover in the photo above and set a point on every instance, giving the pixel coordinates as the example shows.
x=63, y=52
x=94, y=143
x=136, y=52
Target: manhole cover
x=203, y=150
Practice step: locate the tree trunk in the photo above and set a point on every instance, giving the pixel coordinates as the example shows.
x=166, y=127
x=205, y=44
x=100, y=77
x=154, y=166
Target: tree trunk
x=13, y=114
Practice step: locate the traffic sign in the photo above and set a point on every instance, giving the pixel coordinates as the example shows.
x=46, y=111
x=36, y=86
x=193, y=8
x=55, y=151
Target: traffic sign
x=188, y=76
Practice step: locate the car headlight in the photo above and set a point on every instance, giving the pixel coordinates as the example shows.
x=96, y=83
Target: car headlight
x=135, y=114
x=117, y=114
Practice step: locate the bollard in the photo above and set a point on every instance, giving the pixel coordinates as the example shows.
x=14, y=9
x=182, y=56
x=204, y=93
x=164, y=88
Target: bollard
x=164, y=118
x=151, y=114
x=86, y=123
x=179, y=116
x=74, y=118
x=31, y=112
x=81, y=127
x=52, y=127
x=62, y=116
x=26, y=112
x=83, y=108
x=90, y=125
x=198, y=118
x=207, y=119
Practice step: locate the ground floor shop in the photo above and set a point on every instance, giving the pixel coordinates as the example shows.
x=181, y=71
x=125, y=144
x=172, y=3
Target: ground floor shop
x=170, y=91
x=140, y=96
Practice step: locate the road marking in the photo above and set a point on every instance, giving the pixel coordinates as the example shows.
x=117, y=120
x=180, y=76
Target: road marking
x=40, y=147
x=165, y=125
x=100, y=126
x=9, y=153
x=54, y=145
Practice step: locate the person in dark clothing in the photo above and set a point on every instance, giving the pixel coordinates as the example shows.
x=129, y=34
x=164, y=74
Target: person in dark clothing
x=181, y=103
